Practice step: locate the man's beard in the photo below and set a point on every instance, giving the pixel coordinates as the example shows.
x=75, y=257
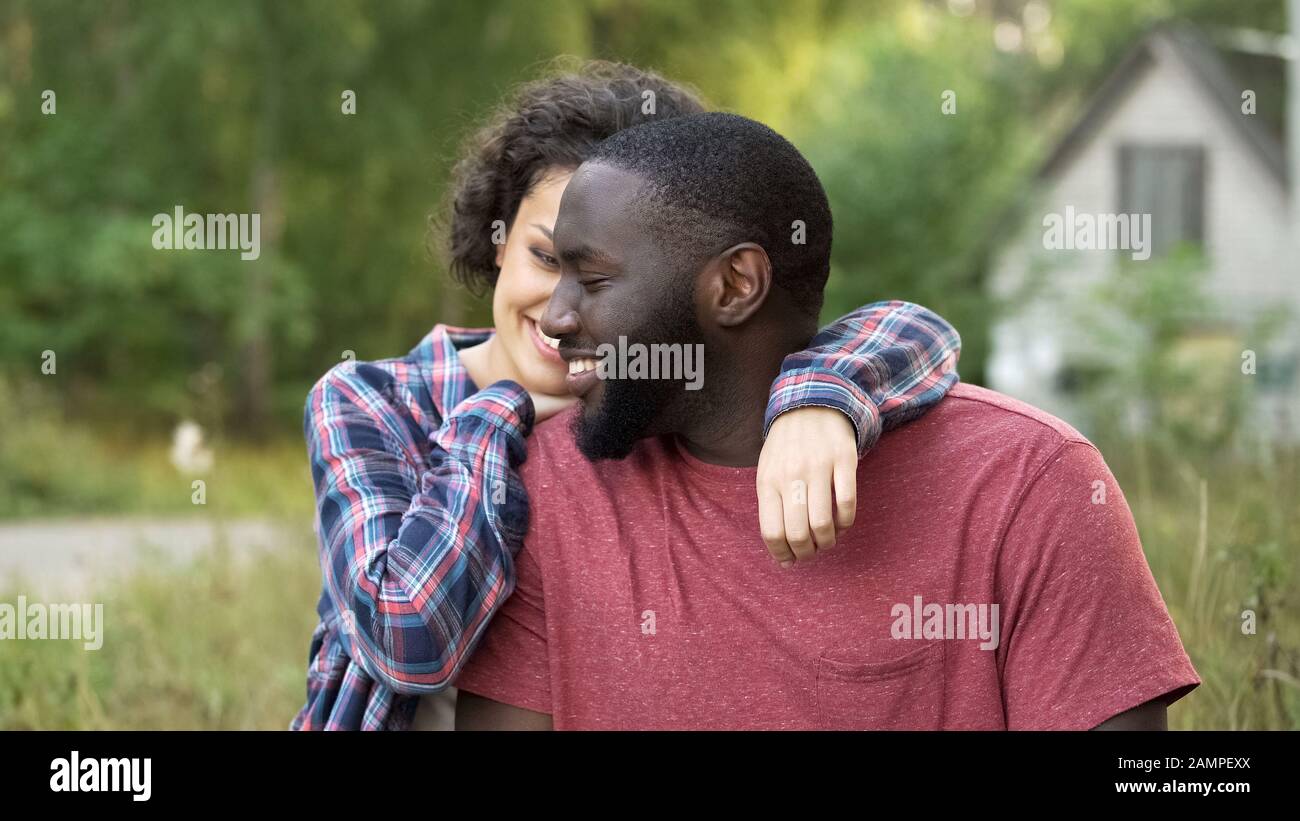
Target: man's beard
x=632, y=409
x=628, y=407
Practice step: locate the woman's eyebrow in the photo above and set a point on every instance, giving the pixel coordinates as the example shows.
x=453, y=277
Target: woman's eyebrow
x=544, y=230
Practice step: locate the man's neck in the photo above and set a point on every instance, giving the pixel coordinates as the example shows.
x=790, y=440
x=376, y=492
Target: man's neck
x=736, y=442
x=726, y=428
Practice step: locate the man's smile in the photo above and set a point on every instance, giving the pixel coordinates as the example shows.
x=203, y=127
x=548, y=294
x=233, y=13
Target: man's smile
x=584, y=370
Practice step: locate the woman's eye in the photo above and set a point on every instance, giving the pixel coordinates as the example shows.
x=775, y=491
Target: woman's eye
x=546, y=259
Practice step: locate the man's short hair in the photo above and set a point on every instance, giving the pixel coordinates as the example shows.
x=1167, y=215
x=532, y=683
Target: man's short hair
x=714, y=180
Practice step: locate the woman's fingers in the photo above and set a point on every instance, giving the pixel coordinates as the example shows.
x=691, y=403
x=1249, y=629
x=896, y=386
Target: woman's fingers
x=794, y=499
x=771, y=522
x=846, y=492
x=807, y=482
x=797, y=516
x=821, y=519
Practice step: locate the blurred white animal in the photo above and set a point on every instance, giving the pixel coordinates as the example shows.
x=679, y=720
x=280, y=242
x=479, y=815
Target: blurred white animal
x=188, y=454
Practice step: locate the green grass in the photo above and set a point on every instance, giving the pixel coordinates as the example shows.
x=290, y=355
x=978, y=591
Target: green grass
x=1222, y=537
x=219, y=643
x=84, y=476
x=53, y=465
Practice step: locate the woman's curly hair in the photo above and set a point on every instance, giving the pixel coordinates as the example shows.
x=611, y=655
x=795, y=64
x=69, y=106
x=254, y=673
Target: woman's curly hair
x=547, y=124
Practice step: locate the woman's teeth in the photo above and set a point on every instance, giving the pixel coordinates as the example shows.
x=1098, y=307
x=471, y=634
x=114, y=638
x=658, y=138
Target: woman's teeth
x=554, y=343
x=581, y=365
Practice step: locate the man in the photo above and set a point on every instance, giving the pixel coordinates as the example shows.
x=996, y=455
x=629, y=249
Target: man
x=982, y=588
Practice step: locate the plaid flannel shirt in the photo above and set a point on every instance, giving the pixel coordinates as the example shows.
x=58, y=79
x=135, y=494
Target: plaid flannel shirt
x=420, y=508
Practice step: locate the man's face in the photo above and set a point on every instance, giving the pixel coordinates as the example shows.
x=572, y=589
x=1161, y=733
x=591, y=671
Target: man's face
x=616, y=280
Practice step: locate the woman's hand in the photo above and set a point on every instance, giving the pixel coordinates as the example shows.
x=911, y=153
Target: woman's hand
x=807, y=482
x=545, y=405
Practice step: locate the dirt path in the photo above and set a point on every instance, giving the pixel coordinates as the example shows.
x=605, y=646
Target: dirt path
x=70, y=557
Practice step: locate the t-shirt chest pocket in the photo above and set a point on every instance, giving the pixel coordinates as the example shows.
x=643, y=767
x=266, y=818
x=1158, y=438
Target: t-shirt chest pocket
x=864, y=690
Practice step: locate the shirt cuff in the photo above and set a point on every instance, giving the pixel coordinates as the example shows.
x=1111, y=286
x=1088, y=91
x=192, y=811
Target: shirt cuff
x=823, y=387
x=504, y=405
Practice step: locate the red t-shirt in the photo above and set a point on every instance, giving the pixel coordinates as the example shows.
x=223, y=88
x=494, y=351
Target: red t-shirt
x=646, y=598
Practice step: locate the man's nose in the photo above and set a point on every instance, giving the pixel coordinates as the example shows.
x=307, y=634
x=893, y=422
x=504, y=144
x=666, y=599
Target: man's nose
x=561, y=315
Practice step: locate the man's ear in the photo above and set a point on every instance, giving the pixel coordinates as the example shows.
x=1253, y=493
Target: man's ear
x=736, y=284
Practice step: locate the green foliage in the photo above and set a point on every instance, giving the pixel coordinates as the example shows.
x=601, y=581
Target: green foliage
x=52, y=465
x=1162, y=360
x=1220, y=543
x=217, y=644
x=915, y=190
x=237, y=109
x=48, y=467
x=1213, y=496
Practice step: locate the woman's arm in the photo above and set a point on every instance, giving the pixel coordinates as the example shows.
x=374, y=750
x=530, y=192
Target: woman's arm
x=882, y=365
x=872, y=370
x=414, y=562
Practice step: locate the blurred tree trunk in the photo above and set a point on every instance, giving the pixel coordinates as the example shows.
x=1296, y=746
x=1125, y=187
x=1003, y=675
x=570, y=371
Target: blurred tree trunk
x=257, y=351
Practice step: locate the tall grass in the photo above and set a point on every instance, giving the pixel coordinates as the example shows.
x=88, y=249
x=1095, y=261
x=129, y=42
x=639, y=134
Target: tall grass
x=1214, y=483
x=1222, y=536
x=219, y=643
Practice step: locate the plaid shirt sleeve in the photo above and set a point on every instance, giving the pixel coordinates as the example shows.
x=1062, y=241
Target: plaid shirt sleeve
x=882, y=365
x=416, y=563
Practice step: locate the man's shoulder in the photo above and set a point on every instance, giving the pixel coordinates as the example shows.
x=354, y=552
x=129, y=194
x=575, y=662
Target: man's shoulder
x=966, y=402
x=974, y=426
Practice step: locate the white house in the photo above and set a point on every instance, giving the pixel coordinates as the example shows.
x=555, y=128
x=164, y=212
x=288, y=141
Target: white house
x=1170, y=134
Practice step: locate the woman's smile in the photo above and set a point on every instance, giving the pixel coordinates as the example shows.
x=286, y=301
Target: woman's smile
x=547, y=347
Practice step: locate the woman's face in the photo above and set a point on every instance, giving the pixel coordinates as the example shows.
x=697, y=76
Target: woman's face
x=529, y=272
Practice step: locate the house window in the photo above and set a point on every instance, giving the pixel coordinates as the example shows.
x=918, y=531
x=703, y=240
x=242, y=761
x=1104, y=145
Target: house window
x=1078, y=378
x=1277, y=372
x=1167, y=182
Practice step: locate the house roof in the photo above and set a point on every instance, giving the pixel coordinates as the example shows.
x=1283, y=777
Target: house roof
x=1223, y=71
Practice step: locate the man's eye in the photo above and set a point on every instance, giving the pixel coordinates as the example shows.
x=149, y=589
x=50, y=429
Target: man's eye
x=593, y=283
x=546, y=259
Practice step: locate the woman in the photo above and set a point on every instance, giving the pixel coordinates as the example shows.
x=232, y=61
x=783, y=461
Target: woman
x=420, y=507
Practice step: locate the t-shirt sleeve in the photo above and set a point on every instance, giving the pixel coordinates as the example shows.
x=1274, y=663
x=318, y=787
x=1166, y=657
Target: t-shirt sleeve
x=510, y=664
x=1086, y=634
